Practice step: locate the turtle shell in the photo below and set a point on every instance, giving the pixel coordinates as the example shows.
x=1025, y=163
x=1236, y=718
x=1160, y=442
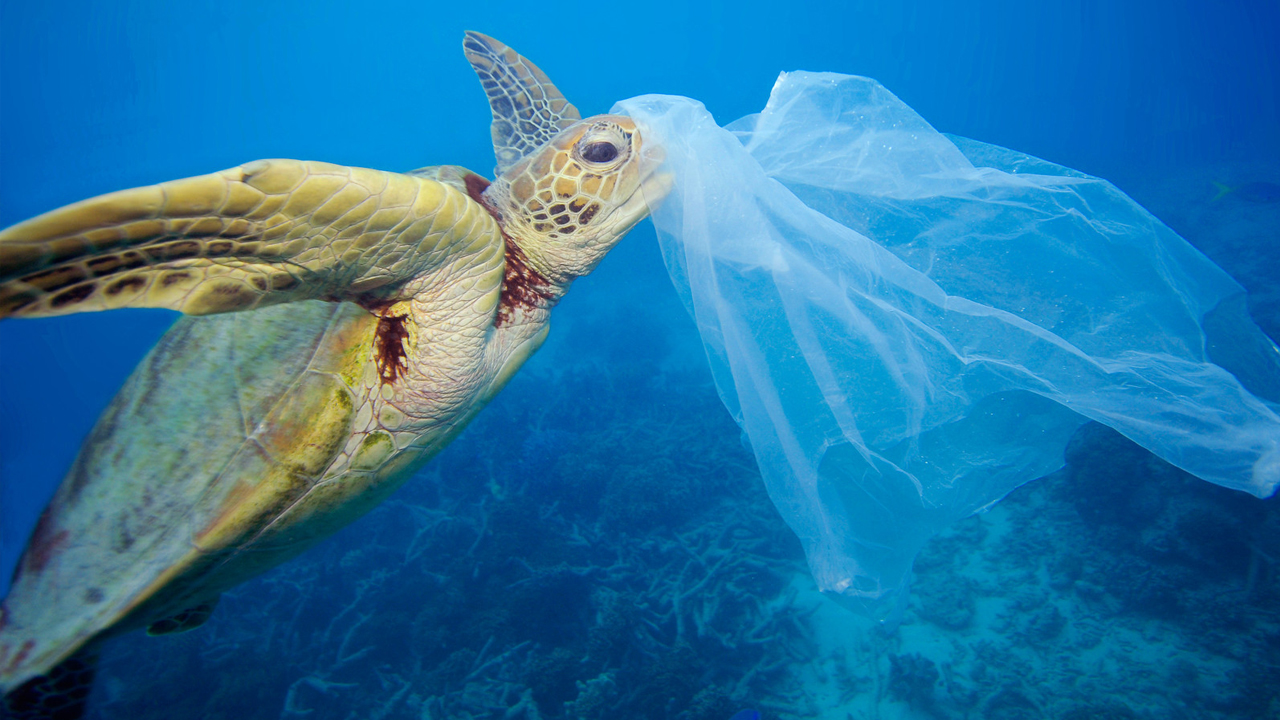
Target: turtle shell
x=224, y=426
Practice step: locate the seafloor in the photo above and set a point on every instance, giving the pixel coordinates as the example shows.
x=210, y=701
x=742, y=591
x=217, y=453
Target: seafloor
x=598, y=545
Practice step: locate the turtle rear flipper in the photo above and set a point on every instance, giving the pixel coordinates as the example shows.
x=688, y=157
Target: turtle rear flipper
x=189, y=619
x=60, y=694
x=264, y=233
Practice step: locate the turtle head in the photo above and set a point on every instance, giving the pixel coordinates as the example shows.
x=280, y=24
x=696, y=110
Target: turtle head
x=567, y=204
x=568, y=189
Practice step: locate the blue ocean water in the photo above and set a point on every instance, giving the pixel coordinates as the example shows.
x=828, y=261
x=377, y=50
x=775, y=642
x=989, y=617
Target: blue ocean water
x=597, y=544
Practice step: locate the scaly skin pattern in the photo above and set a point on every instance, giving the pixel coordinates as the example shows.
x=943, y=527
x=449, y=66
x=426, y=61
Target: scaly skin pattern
x=527, y=109
x=266, y=232
x=245, y=437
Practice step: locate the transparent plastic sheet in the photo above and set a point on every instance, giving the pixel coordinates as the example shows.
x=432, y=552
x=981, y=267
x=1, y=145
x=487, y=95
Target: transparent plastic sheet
x=907, y=326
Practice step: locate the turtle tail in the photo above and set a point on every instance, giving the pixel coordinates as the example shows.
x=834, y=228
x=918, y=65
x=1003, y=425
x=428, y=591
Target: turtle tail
x=60, y=694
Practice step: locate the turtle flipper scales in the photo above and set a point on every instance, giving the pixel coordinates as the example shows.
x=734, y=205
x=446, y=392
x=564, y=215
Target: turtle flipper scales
x=528, y=110
x=61, y=693
x=184, y=621
x=263, y=233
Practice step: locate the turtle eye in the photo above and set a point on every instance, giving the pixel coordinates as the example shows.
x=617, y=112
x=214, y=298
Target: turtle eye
x=599, y=152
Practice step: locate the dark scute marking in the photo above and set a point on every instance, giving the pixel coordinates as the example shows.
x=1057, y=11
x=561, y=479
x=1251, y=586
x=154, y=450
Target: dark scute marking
x=283, y=281
x=93, y=595
x=104, y=265
x=562, y=220
x=182, y=250
x=259, y=282
x=577, y=204
x=123, y=541
x=56, y=278
x=173, y=277
x=389, y=350
x=12, y=305
x=557, y=209
x=133, y=260
x=522, y=286
x=219, y=248
x=589, y=213
x=230, y=289
x=131, y=282
x=568, y=229
x=72, y=296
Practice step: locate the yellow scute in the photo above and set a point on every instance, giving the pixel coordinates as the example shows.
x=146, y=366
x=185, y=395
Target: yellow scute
x=373, y=451
x=308, y=427
x=310, y=424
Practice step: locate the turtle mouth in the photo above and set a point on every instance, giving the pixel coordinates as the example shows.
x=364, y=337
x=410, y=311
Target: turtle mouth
x=649, y=193
x=654, y=185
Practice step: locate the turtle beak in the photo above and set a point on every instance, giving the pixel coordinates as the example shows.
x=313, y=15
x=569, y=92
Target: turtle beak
x=654, y=184
x=655, y=188
x=637, y=207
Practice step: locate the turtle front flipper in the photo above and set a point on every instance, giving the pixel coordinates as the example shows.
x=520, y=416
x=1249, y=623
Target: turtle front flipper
x=528, y=110
x=267, y=232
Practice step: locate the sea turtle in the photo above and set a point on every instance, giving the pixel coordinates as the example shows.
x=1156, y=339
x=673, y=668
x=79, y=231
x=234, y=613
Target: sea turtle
x=378, y=313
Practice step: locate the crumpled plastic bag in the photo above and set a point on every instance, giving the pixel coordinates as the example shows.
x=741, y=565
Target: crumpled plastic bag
x=907, y=325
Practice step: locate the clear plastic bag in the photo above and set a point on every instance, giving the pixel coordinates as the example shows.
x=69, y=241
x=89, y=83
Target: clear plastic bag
x=907, y=325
